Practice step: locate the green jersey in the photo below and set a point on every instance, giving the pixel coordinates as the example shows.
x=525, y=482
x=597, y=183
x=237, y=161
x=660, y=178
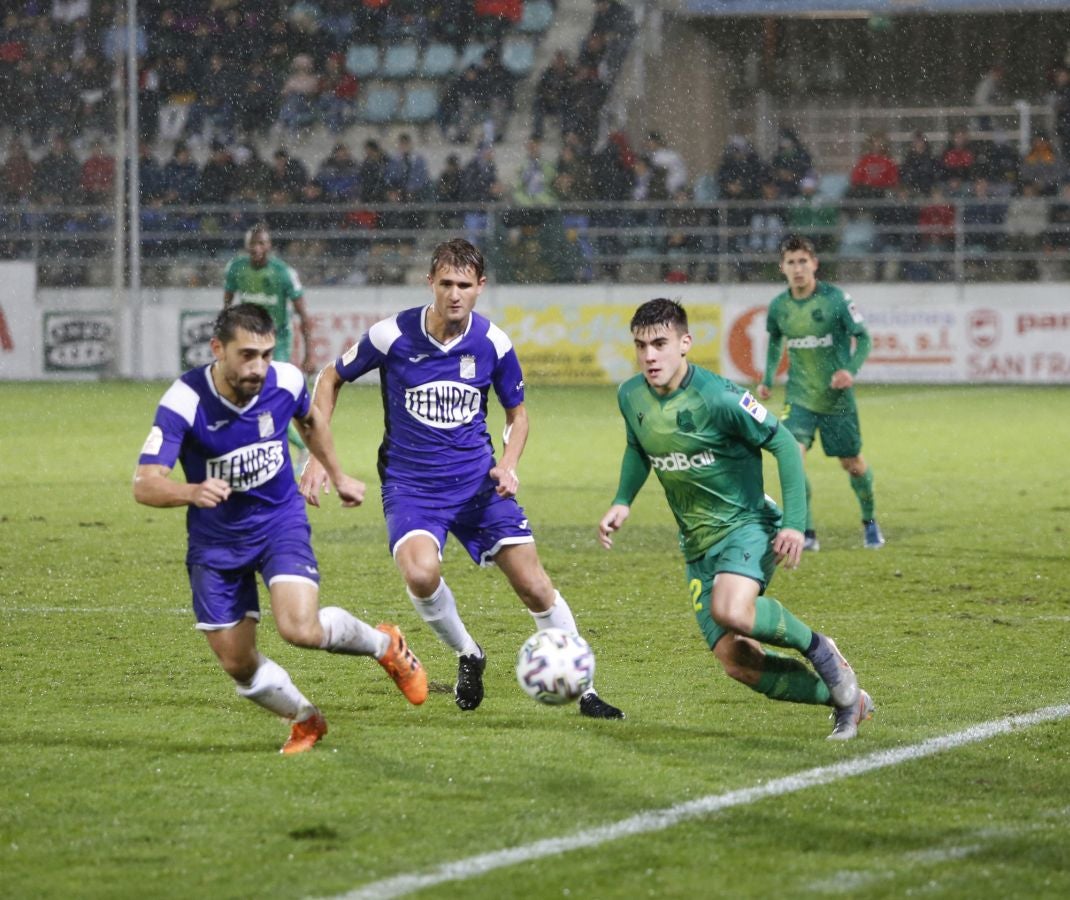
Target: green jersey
x=274, y=285
x=704, y=441
x=819, y=331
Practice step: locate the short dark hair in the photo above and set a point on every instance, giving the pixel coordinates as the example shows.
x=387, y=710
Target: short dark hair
x=258, y=228
x=251, y=317
x=457, y=254
x=660, y=311
x=793, y=243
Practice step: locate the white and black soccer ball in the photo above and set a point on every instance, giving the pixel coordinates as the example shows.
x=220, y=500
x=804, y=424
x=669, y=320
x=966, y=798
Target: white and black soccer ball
x=555, y=666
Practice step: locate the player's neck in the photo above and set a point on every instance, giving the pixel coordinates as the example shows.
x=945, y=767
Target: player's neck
x=221, y=387
x=804, y=293
x=443, y=330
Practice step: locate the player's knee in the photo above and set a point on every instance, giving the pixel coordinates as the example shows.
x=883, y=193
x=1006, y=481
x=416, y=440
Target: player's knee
x=300, y=633
x=241, y=668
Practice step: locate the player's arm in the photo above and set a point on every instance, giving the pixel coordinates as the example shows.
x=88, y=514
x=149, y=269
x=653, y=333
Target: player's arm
x=316, y=432
x=772, y=358
x=514, y=437
x=306, y=332
x=788, y=542
x=634, y=470
x=855, y=328
x=315, y=478
x=154, y=487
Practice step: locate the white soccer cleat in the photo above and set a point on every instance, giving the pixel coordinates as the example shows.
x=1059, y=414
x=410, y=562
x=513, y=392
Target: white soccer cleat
x=847, y=718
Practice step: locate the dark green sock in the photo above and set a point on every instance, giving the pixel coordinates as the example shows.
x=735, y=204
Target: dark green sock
x=809, y=506
x=785, y=678
x=295, y=437
x=773, y=624
x=862, y=485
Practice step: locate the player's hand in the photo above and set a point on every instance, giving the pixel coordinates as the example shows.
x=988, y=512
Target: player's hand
x=788, y=547
x=508, y=481
x=841, y=380
x=313, y=480
x=210, y=493
x=764, y=392
x=612, y=521
x=350, y=491
x=308, y=366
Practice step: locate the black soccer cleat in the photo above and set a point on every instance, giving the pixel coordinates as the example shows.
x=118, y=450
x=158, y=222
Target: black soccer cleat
x=468, y=692
x=595, y=707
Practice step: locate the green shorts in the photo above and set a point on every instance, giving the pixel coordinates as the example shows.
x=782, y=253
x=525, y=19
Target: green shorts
x=841, y=435
x=746, y=551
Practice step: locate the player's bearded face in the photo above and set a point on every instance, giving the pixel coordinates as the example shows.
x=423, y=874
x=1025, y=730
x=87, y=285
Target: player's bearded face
x=242, y=364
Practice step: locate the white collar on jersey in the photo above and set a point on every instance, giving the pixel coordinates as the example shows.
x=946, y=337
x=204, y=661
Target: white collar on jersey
x=446, y=346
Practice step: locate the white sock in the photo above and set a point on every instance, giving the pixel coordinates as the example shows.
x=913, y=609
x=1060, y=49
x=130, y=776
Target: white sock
x=440, y=612
x=272, y=688
x=557, y=616
x=345, y=633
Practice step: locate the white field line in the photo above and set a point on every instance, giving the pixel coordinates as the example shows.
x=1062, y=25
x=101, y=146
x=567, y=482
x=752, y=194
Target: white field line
x=661, y=819
x=82, y=610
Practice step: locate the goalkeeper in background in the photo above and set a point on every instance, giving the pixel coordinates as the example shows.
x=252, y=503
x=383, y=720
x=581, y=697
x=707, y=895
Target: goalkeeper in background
x=703, y=436
x=258, y=276
x=827, y=343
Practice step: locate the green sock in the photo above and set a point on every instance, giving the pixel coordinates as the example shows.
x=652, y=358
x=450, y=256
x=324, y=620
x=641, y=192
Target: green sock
x=809, y=506
x=862, y=485
x=785, y=678
x=295, y=437
x=773, y=624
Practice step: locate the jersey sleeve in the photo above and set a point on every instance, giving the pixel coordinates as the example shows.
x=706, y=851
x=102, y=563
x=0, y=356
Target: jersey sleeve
x=230, y=277
x=369, y=352
x=294, y=290
x=634, y=469
x=171, y=424
x=292, y=380
x=775, y=347
x=855, y=325
x=508, y=380
x=742, y=415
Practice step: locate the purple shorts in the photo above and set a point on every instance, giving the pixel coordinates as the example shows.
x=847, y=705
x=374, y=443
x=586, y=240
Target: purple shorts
x=223, y=577
x=483, y=524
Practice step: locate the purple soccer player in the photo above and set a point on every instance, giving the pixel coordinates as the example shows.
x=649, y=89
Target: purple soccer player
x=437, y=364
x=226, y=424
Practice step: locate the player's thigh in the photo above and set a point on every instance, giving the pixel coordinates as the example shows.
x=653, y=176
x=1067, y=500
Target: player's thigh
x=289, y=568
x=747, y=555
x=841, y=435
x=801, y=423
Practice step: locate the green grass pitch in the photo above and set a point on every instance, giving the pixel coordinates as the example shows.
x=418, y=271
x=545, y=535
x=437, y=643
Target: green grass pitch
x=130, y=768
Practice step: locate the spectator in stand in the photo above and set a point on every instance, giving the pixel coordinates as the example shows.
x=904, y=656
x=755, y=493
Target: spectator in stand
x=648, y=186
x=149, y=173
x=615, y=22
x=612, y=175
x=212, y=115
x=983, y=218
x=592, y=52
x=959, y=157
x=98, y=176
x=875, y=173
x=408, y=174
x=494, y=18
x=337, y=95
x=1060, y=102
x=56, y=99
x=91, y=84
x=682, y=240
x=370, y=19
x=535, y=180
x=1042, y=166
x=669, y=160
x=740, y=164
x=583, y=114
x=936, y=228
x=997, y=161
x=480, y=184
x=339, y=175
x=808, y=214
x=287, y=177
x=405, y=21
x=448, y=189
x=920, y=169
x=57, y=175
x=254, y=176
x=499, y=87
x=1057, y=237
x=181, y=177
x=553, y=92
x=896, y=226
x=219, y=177
x=990, y=91
x=300, y=95
x=257, y=102
x=374, y=184
x=16, y=175
x=767, y=226
x=1027, y=223
x=790, y=164
x=178, y=91
x=463, y=104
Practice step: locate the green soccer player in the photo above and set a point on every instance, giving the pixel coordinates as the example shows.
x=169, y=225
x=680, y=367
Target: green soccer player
x=258, y=276
x=827, y=344
x=703, y=436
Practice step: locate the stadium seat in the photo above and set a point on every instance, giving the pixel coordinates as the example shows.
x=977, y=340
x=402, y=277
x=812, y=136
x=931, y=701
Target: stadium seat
x=378, y=104
x=537, y=17
x=362, y=60
x=518, y=56
x=440, y=61
x=400, y=60
x=472, y=55
x=420, y=104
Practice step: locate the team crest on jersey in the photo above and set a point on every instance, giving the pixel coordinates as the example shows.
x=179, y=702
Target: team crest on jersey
x=468, y=366
x=752, y=407
x=685, y=421
x=266, y=423
x=818, y=315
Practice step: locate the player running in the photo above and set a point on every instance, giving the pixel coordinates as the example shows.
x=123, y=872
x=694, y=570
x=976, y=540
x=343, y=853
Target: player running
x=258, y=276
x=703, y=436
x=226, y=423
x=820, y=323
x=437, y=364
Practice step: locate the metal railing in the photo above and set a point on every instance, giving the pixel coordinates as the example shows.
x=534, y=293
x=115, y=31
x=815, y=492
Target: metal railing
x=926, y=239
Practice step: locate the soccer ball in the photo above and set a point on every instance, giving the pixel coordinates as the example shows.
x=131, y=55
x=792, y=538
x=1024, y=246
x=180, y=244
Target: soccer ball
x=555, y=666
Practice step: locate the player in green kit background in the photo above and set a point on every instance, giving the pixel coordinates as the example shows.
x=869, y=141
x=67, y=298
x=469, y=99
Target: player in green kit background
x=258, y=276
x=827, y=343
x=703, y=436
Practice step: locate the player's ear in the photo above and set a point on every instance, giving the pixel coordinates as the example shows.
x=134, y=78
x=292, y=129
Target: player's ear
x=217, y=348
x=685, y=343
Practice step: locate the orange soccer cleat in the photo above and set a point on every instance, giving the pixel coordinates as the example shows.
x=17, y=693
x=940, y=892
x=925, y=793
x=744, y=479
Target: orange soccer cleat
x=402, y=665
x=305, y=734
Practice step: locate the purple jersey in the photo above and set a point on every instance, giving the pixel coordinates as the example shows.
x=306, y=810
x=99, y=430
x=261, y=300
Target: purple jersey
x=435, y=399
x=244, y=446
